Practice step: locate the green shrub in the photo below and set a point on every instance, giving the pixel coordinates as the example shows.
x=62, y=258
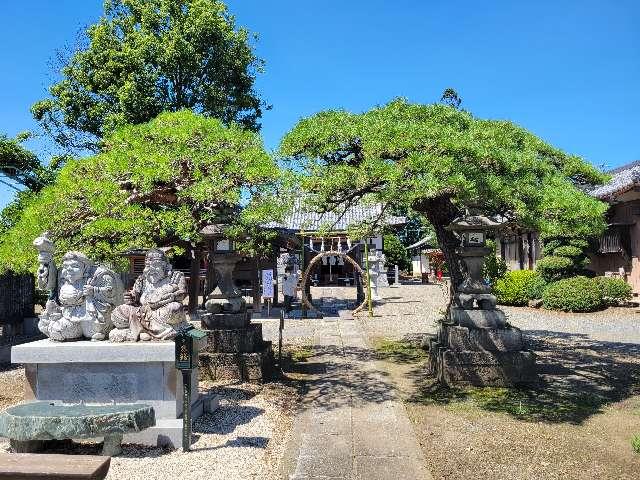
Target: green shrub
x=614, y=290
x=518, y=287
x=635, y=444
x=494, y=268
x=576, y=294
x=567, y=251
x=553, y=268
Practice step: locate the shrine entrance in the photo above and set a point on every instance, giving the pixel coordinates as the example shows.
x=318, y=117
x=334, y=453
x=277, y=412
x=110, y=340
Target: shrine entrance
x=344, y=259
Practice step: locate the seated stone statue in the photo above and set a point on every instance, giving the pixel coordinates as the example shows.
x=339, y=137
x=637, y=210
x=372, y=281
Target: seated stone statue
x=82, y=298
x=153, y=308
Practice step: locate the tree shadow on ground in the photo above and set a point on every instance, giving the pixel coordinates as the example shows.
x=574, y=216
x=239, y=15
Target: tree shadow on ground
x=578, y=378
x=333, y=377
x=239, y=442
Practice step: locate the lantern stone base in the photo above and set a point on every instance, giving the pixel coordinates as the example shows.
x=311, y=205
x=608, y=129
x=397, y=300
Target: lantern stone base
x=246, y=367
x=462, y=356
x=113, y=373
x=235, y=349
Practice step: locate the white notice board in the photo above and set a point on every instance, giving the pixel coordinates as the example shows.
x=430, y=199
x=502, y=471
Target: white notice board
x=267, y=283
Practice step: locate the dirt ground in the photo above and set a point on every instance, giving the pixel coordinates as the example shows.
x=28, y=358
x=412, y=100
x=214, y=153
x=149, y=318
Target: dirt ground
x=11, y=385
x=576, y=424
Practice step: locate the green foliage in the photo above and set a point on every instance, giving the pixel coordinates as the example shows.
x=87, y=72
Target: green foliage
x=635, y=444
x=518, y=287
x=10, y=215
x=614, y=290
x=20, y=165
x=568, y=251
x=144, y=57
x=395, y=252
x=417, y=156
x=154, y=184
x=494, y=267
x=564, y=257
x=576, y=294
x=554, y=268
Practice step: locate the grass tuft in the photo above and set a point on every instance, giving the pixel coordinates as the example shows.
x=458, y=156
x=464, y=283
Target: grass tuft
x=527, y=404
x=399, y=351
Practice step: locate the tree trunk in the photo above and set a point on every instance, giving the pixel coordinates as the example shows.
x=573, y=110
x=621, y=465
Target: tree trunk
x=194, y=275
x=440, y=212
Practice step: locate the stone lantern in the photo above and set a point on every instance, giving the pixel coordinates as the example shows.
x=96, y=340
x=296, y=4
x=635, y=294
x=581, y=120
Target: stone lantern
x=223, y=297
x=475, y=345
x=473, y=230
x=235, y=347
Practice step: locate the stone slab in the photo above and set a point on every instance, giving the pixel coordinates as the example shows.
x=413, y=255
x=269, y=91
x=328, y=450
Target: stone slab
x=478, y=318
x=53, y=466
x=48, y=351
x=45, y=421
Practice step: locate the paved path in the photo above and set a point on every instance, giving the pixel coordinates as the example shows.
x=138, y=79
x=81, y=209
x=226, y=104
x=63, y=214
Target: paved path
x=353, y=426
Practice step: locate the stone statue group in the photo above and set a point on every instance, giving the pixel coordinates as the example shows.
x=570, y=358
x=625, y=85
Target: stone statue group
x=88, y=300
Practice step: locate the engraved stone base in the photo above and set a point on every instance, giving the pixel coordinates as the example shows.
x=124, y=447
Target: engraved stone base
x=217, y=321
x=478, y=318
x=243, y=340
x=247, y=367
x=107, y=373
x=481, y=357
x=499, y=340
x=483, y=369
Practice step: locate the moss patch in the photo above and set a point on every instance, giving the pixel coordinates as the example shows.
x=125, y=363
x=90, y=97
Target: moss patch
x=399, y=351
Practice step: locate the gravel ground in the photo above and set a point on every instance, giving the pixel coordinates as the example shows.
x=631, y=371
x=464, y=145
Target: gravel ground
x=243, y=439
x=11, y=385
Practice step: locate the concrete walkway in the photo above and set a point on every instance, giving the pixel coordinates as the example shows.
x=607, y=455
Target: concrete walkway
x=353, y=426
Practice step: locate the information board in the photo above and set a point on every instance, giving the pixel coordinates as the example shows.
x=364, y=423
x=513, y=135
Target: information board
x=267, y=283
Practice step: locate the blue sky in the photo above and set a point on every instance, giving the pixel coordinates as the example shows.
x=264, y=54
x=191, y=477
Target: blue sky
x=565, y=69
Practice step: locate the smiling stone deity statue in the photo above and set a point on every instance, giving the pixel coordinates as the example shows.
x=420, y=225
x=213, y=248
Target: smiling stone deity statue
x=82, y=298
x=153, y=308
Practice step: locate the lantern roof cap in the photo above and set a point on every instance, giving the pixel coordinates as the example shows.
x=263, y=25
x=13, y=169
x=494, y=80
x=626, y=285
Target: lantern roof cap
x=473, y=222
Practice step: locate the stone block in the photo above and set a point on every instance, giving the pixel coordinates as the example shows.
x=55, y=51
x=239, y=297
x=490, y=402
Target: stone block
x=218, y=321
x=244, y=366
x=478, y=318
x=242, y=340
x=495, y=369
x=498, y=340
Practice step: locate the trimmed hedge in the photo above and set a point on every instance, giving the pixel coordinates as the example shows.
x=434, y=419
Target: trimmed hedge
x=576, y=294
x=553, y=268
x=614, y=290
x=518, y=287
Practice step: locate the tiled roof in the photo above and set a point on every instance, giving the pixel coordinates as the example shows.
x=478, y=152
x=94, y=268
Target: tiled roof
x=623, y=179
x=302, y=217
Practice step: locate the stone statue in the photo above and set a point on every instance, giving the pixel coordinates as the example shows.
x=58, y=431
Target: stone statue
x=153, y=309
x=382, y=280
x=82, y=298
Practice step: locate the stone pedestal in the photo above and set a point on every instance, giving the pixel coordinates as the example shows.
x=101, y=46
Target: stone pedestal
x=476, y=347
x=235, y=349
x=96, y=373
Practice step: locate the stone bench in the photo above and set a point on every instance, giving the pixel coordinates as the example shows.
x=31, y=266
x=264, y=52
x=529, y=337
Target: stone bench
x=28, y=425
x=29, y=466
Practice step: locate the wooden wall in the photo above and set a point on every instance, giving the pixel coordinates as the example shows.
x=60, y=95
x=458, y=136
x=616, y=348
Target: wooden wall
x=16, y=298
